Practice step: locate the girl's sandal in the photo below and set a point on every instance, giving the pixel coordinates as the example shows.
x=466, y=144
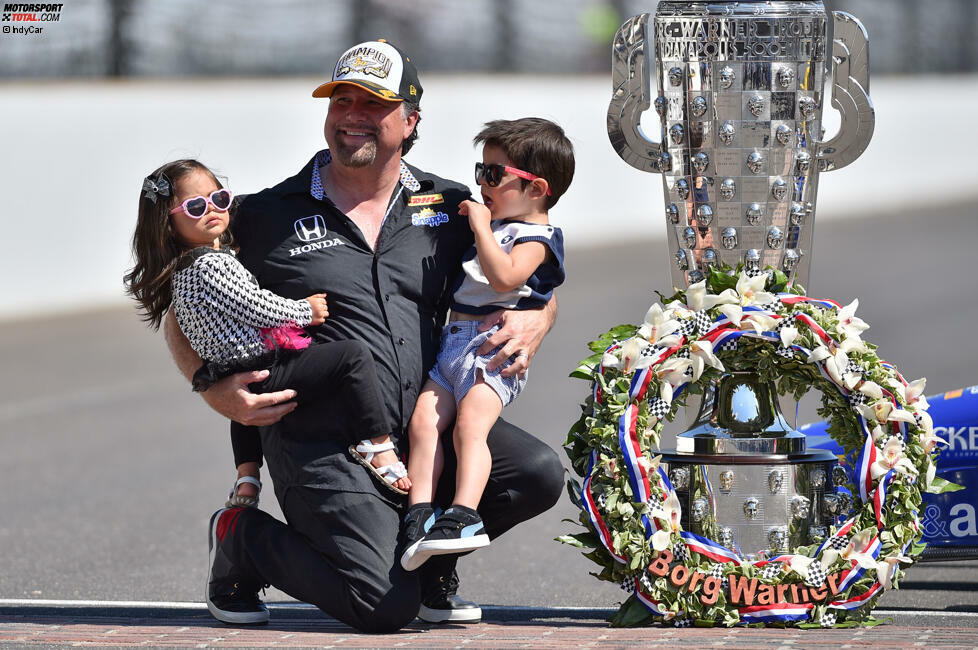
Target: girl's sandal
x=236, y=500
x=386, y=474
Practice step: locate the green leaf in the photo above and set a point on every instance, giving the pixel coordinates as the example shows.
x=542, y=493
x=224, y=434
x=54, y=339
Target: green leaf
x=632, y=613
x=585, y=370
x=579, y=540
x=720, y=281
x=940, y=486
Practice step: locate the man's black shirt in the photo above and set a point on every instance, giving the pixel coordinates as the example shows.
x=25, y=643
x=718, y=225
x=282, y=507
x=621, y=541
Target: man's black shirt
x=394, y=298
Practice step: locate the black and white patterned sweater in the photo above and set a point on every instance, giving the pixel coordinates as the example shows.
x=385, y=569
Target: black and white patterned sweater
x=221, y=309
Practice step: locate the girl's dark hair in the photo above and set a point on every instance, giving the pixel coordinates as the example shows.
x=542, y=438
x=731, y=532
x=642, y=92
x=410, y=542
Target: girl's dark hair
x=156, y=246
x=537, y=146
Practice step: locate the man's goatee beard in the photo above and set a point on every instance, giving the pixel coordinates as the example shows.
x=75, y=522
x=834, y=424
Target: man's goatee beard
x=362, y=157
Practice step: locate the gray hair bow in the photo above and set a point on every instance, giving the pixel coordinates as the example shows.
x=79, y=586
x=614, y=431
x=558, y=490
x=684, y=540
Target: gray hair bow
x=154, y=188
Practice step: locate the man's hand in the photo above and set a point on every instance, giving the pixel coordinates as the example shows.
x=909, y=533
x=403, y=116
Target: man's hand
x=232, y=398
x=520, y=334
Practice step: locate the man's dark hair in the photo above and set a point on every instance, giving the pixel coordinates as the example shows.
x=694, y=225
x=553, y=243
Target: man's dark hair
x=408, y=108
x=534, y=145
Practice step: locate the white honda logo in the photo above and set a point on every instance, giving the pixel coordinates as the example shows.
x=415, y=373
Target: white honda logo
x=311, y=228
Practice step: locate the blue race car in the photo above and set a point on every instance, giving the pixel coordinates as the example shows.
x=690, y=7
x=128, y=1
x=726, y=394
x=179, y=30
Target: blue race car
x=949, y=520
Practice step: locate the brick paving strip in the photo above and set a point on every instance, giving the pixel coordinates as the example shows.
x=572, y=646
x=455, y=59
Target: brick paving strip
x=504, y=627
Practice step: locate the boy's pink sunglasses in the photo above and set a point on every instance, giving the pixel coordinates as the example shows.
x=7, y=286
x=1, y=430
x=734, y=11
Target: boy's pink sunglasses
x=196, y=207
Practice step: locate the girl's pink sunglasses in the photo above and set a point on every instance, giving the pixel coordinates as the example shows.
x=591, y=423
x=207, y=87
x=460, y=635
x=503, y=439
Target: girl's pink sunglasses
x=196, y=207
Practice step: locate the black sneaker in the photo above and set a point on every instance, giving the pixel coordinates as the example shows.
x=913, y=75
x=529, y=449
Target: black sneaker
x=441, y=604
x=230, y=599
x=458, y=530
x=417, y=522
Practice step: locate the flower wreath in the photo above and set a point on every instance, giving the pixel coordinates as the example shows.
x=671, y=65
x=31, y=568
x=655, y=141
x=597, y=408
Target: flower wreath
x=730, y=321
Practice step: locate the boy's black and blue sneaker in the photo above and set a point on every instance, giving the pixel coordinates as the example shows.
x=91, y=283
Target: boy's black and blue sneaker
x=417, y=522
x=458, y=530
x=231, y=598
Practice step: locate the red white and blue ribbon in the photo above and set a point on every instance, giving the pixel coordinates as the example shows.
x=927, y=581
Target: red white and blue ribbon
x=864, y=465
x=591, y=508
x=879, y=499
x=857, y=601
x=779, y=612
x=632, y=452
x=709, y=548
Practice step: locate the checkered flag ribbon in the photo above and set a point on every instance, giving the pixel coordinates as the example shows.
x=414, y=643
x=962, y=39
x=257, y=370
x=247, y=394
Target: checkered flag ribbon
x=752, y=272
x=703, y=322
x=856, y=398
x=628, y=584
x=816, y=574
x=729, y=346
x=645, y=582
x=717, y=571
x=786, y=322
x=917, y=417
x=687, y=327
x=838, y=543
x=682, y=353
x=786, y=352
x=775, y=306
x=772, y=570
x=658, y=407
x=681, y=622
x=854, y=368
x=827, y=619
x=654, y=501
x=682, y=555
x=650, y=350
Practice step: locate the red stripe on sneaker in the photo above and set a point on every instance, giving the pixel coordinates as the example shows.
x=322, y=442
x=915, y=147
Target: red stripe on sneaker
x=227, y=520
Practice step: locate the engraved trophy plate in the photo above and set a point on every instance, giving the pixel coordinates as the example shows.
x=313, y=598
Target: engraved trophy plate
x=739, y=90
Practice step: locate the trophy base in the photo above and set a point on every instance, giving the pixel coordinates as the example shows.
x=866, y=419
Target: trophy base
x=760, y=505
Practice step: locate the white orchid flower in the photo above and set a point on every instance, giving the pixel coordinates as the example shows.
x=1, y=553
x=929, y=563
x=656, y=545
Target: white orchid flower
x=749, y=291
x=700, y=356
x=871, y=389
x=659, y=327
x=800, y=564
x=679, y=310
x=631, y=356
x=911, y=394
x=891, y=457
x=669, y=514
x=849, y=324
x=672, y=373
x=930, y=473
x=853, y=344
x=928, y=439
x=759, y=321
x=650, y=466
x=855, y=551
x=885, y=569
x=698, y=299
x=837, y=366
x=820, y=353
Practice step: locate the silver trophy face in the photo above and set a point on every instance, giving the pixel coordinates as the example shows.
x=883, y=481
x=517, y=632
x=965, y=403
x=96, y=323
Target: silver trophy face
x=739, y=88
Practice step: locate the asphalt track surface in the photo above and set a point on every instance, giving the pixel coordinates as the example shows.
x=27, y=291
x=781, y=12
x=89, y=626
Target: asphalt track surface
x=111, y=466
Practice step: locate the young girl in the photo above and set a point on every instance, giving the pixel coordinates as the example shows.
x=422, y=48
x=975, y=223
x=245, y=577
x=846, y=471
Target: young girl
x=183, y=254
x=516, y=263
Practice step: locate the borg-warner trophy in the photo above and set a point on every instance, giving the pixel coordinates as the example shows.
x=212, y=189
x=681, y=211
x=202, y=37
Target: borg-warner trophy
x=740, y=104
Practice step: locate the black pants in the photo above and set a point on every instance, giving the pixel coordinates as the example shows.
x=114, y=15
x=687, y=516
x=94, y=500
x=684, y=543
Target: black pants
x=341, y=550
x=324, y=374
